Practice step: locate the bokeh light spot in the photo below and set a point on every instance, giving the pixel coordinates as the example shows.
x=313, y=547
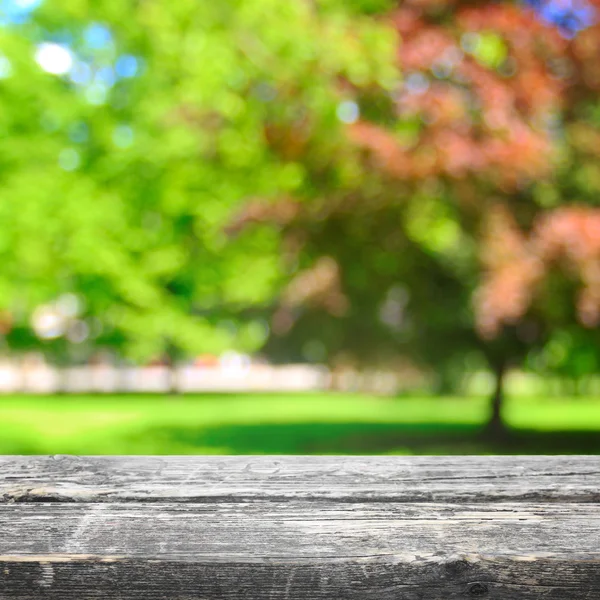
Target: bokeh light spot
x=97, y=36
x=123, y=136
x=69, y=159
x=81, y=73
x=126, y=66
x=348, y=112
x=54, y=58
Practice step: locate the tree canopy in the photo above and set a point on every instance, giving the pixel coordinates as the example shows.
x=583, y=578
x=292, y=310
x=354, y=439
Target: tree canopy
x=478, y=210
x=337, y=180
x=131, y=132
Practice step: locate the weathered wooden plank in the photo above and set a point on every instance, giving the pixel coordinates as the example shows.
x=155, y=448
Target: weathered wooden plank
x=357, y=580
x=299, y=528
x=299, y=550
x=352, y=479
x=367, y=579
x=294, y=530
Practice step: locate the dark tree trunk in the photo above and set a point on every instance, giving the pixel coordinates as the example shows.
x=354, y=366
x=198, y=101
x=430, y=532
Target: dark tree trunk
x=171, y=364
x=173, y=379
x=496, y=425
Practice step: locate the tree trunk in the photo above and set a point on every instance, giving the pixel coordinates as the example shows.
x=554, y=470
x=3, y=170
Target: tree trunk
x=496, y=425
x=170, y=357
x=173, y=379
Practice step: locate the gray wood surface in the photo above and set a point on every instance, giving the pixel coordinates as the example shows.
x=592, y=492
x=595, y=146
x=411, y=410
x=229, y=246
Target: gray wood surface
x=299, y=528
x=347, y=478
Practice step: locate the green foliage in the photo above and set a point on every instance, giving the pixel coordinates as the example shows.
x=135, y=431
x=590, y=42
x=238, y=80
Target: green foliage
x=125, y=157
x=118, y=174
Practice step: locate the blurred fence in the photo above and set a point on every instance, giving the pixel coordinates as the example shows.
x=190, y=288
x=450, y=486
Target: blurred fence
x=44, y=379
x=41, y=378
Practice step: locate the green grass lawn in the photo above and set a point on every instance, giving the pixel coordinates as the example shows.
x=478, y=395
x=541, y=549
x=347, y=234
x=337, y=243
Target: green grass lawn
x=290, y=424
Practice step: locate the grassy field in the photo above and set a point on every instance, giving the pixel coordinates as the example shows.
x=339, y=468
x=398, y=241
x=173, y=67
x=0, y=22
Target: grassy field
x=290, y=424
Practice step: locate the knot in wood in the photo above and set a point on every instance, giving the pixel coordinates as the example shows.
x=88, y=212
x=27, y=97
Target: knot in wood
x=456, y=568
x=478, y=589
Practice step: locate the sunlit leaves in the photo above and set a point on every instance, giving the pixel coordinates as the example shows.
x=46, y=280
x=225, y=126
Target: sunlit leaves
x=136, y=130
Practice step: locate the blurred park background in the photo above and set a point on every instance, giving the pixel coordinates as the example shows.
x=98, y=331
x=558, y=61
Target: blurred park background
x=310, y=226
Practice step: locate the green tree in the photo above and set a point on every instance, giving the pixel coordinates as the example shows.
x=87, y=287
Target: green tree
x=133, y=130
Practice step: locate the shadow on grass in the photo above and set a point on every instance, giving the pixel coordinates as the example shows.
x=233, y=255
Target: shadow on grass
x=364, y=438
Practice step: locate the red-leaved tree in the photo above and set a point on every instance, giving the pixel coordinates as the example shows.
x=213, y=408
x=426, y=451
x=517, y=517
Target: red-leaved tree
x=476, y=180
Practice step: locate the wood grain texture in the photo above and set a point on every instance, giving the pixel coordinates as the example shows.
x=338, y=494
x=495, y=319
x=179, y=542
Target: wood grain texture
x=299, y=528
x=344, y=478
